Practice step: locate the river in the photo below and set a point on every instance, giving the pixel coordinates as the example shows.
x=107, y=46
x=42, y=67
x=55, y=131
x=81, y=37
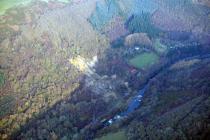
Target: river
x=135, y=103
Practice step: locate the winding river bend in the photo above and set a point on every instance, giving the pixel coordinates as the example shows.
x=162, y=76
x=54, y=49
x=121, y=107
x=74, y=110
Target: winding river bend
x=137, y=99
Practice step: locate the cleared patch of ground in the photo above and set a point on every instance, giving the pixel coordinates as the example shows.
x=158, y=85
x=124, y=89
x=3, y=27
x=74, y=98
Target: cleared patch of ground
x=144, y=60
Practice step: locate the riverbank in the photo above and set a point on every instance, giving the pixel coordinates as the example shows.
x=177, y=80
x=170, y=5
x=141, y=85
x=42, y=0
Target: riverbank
x=154, y=98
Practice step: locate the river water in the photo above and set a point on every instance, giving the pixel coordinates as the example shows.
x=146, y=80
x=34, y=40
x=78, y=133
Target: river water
x=132, y=106
x=137, y=99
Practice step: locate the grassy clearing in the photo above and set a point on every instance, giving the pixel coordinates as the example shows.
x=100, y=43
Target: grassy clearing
x=144, y=60
x=114, y=136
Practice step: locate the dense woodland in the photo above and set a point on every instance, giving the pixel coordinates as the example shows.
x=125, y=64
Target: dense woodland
x=89, y=69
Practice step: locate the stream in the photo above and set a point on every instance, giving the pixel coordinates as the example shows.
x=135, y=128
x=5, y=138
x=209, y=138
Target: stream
x=132, y=106
x=135, y=103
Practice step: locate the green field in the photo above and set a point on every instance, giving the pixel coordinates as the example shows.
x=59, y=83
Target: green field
x=144, y=60
x=6, y=4
x=114, y=136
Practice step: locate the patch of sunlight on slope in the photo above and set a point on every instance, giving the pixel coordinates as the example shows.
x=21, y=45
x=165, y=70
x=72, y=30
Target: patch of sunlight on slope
x=83, y=64
x=6, y=4
x=79, y=62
